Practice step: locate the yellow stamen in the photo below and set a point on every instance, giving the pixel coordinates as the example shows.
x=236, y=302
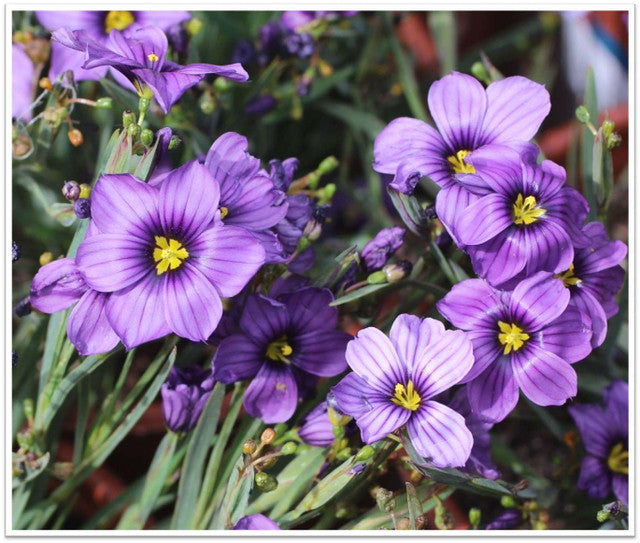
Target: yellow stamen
x=618, y=460
x=153, y=57
x=526, y=210
x=406, y=397
x=224, y=211
x=458, y=165
x=568, y=277
x=279, y=350
x=511, y=336
x=169, y=254
x=118, y=20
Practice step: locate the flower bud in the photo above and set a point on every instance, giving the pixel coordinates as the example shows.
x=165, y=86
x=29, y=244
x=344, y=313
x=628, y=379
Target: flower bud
x=146, y=137
x=82, y=208
x=45, y=258
x=378, y=250
x=384, y=499
x=71, y=190
x=289, y=448
x=403, y=524
x=104, y=103
x=249, y=446
x=133, y=131
x=174, y=142
x=266, y=482
x=397, y=271
x=582, y=114
x=343, y=454
x=75, y=137
x=312, y=230
x=614, y=140
x=22, y=308
x=479, y=71
x=507, y=502
x=328, y=191
x=608, y=126
x=184, y=396
x=207, y=103
x=45, y=83
x=356, y=470
x=365, y=453
x=328, y=165
x=128, y=117
x=377, y=278
x=475, y=515
x=268, y=435
x=14, y=359
x=338, y=431
x=194, y=25
x=602, y=515
x=260, y=105
x=15, y=251
x=511, y=518
x=222, y=84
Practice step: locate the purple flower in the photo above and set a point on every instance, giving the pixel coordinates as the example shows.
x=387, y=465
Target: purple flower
x=525, y=340
x=22, y=73
x=140, y=56
x=605, y=434
x=256, y=522
x=163, y=255
x=184, y=395
x=299, y=44
x=378, y=250
x=98, y=25
x=395, y=380
x=595, y=277
x=316, y=428
x=468, y=118
x=261, y=105
x=510, y=519
x=281, y=341
x=294, y=20
x=524, y=221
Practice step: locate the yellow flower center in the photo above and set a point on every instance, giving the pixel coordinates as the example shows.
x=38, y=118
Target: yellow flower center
x=568, y=277
x=526, y=210
x=406, y=397
x=118, y=20
x=511, y=336
x=279, y=350
x=169, y=254
x=224, y=211
x=618, y=460
x=153, y=57
x=458, y=165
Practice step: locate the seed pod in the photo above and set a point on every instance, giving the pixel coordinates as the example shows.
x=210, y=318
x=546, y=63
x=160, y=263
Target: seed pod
x=82, y=208
x=289, y=448
x=128, y=117
x=45, y=83
x=365, y=453
x=266, y=482
x=75, y=137
x=249, y=446
x=268, y=436
x=133, y=131
x=146, y=137
x=71, y=190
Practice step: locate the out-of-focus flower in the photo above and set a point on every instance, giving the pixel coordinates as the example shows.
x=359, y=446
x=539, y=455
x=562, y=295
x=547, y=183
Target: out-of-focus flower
x=526, y=220
x=140, y=54
x=294, y=20
x=281, y=341
x=97, y=25
x=299, y=44
x=184, y=395
x=468, y=118
x=510, y=519
x=317, y=428
x=22, y=74
x=605, y=434
x=377, y=251
x=261, y=104
x=15, y=251
x=595, y=277
x=256, y=522
x=244, y=53
x=522, y=340
x=395, y=380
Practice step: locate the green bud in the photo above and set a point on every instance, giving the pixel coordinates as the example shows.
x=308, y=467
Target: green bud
x=614, y=140
x=207, y=103
x=145, y=101
x=343, y=454
x=608, y=126
x=312, y=180
x=280, y=429
x=582, y=114
x=146, y=137
x=338, y=431
x=365, y=453
x=133, y=131
x=128, y=117
x=377, y=278
x=222, y=84
x=475, y=516
x=104, y=103
x=303, y=243
x=328, y=165
x=194, y=25
x=602, y=516
x=328, y=191
x=266, y=482
x=249, y=446
x=289, y=448
x=507, y=502
x=384, y=499
x=479, y=71
x=174, y=142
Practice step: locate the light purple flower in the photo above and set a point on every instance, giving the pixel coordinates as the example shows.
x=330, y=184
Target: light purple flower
x=468, y=118
x=22, y=74
x=605, y=434
x=163, y=255
x=294, y=20
x=595, y=277
x=525, y=340
x=184, y=395
x=139, y=54
x=256, y=522
x=98, y=25
x=525, y=220
x=395, y=380
x=378, y=250
x=281, y=341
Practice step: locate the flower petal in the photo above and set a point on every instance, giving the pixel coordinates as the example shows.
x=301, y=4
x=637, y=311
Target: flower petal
x=472, y=304
x=88, y=328
x=595, y=478
x=272, y=395
x=501, y=258
x=587, y=304
x=355, y=397
x=484, y=219
x=486, y=350
x=439, y=433
x=538, y=301
x=568, y=336
x=494, y=393
x=383, y=419
x=309, y=309
x=57, y=286
x=450, y=201
x=237, y=358
x=411, y=334
x=321, y=352
x=264, y=319
x=616, y=400
x=594, y=426
x=620, y=485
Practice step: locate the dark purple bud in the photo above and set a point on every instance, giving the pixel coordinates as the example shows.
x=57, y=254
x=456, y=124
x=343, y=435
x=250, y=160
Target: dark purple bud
x=23, y=307
x=317, y=429
x=358, y=468
x=443, y=240
x=82, y=208
x=511, y=518
x=386, y=242
x=71, y=190
x=184, y=395
x=299, y=45
x=178, y=38
x=282, y=172
x=244, y=53
x=15, y=251
x=260, y=105
x=430, y=213
x=256, y=522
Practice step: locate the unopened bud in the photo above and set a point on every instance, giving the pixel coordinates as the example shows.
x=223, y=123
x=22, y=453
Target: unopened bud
x=133, y=131
x=377, y=278
x=194, y=25
x=207, y=103
x=23, y=308
x=475, y=515
x=365, y=453
x=312, y=230
x=479, y=71
x=289, y=448
x=85, y=190
x=71, y=190
x=45, y=258
x=128, y=117
x=403, y=524
x=582, y=114
x=45, y=83
x=602, y=515
x=608, y=126
x=222, y=84
x=146, y=137
x=266, y=482
x=397, y=271
x=328, y=191
x=343, y=454
x=75, y=137
x=328, y=165
x=15, y=251
x=82, y=208
x=174, y=142
x=338, y=431
x=249, y=446
x=614, y=140
x=268, y=436
x=384, y=499
x=104, y=103
x=507, y=502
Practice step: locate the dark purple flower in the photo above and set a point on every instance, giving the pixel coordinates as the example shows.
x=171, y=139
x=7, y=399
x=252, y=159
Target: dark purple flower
x=377, y=251
x=316, y=428
x=22, y=74
x=178, y=38
x=98, y=25
x=256, y=522
x=281, y=340
x=605, y=434
x=395, y=380
x=468, y=118
x=270, y=39
x=525, y=220
x=595, y=277
x=525, y=340
x=244, y=53
x=299, y=44
x=510, y=519
x=140, y=56
x=163, y=256
x=184, y=395
x=261, y=105
x=356, y=470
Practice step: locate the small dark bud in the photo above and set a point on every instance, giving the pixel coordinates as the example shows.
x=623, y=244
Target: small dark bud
x=430, y=213
x=266, y=482
x=268, y=436
x=71, y=190
x=75, y=137
x=128, y=117
x=15, y=251
x=146, y=137
x=511, y=518
x=244, y=53
x=443, y=240
x=356, y=470
x=299, y=44
x=249, y=446
x=397, y=271
x=303, y=85
x=22, y=308
x=178, y=38
x=82, y=208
